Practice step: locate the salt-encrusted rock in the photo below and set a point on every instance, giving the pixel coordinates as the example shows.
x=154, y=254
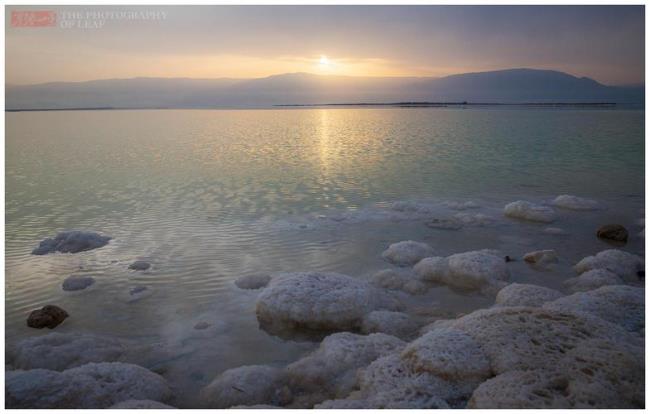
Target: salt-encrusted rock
x=541, y=257
x=77, y=283
x=595, y=374
x=592, y=279
x=449, y=354
x=624, y=264
x=139, y=265
x=614, y=232
x=141, y=405
x=444, y=224
x=470, y=270
x=555, y=231
x=390, y=383
x=399, y=279
x=330, y=371
x=620, y=304
x=397, y=324
x=88, y=386
x=71, y=242
x=256, y=281
x=252, y=384
x=321, y=301
x=518, y=294
x=49, y=316
x=532, y=338
x=60, y=351
x=575, y=203
x=407, y=253
x=525, y=210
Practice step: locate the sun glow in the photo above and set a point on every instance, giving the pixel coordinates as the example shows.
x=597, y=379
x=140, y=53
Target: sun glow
x=324, y=60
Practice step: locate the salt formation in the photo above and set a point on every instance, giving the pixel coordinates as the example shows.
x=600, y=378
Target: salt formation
x=61, y=351
x=88, y=386
x=525, y=210
x=330, y=371
x=407, y=253
x=139, y=265
x=468, y=271
x=251, y=384
x=77, y=283
x=71, y=242
x=594, y=374
x=256, y=281
x=575, y=203
x=397, y=324
x=593, y=279
x=541, y=257
x=399, y=279
x=449, y=354
x=477, y=220
x=625, y=265
x=459, y=205
x=141, y=405
x=622, y=305
x=321, y=301
x=518, y=294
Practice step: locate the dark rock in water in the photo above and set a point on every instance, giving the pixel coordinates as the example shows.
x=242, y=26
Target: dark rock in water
x=77, y=283
x=49, y=316
x=641, y=274
x=139, y=265
x=614, y=232
x=444, y=224
x=202, y=325
x=137, y=289
x=509, y=259
x=71, y=242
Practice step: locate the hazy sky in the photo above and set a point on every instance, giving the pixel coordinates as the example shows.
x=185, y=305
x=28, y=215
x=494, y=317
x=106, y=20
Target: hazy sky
x=602, y=42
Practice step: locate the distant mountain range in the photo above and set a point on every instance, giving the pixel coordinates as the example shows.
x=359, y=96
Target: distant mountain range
x=504, y=86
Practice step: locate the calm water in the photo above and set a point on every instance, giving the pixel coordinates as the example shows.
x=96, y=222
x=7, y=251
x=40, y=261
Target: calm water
x=207, y=196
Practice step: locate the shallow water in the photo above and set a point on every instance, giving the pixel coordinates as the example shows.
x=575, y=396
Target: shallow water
x=209, y=195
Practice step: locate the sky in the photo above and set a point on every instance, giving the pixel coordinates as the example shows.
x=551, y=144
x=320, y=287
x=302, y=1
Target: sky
x=605, y=43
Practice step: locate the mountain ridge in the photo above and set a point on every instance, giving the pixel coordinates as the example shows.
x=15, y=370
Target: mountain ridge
x=504, y=86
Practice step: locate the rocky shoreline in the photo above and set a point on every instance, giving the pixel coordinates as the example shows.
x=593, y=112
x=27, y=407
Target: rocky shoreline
x=535, y=347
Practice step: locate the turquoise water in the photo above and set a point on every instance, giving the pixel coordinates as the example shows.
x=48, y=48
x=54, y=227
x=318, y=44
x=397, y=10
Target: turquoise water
x=210, y=195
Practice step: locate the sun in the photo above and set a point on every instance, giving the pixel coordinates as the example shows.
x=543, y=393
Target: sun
x=324, y=60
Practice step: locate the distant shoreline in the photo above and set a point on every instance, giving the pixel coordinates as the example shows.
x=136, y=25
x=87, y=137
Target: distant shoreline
x=354, y=104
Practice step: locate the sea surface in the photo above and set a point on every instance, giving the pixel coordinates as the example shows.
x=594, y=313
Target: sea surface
x=207, y=196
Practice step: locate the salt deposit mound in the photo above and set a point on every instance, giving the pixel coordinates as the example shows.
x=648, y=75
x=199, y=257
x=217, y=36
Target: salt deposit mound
x=59, y=351
x=466, y=271
x=595, y=374
x=89, y=386
x=252, y=384
x=525, y=210
x=319, y=301
x=397, y=324
x=330, y=371
x=624, y=264
x=593, y=279
x=620, y=304
x=71, y=242
x=256, y=281
x=406, y=253
x=518, y=294
x=575, y=203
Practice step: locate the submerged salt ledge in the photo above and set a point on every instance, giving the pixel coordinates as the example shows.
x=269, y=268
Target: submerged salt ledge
x=407, y=253
x=71, y=242
x=571, y=202
x=525, y=210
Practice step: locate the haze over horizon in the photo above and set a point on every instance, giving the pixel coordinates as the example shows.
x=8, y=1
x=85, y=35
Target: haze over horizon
x=604, y=43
